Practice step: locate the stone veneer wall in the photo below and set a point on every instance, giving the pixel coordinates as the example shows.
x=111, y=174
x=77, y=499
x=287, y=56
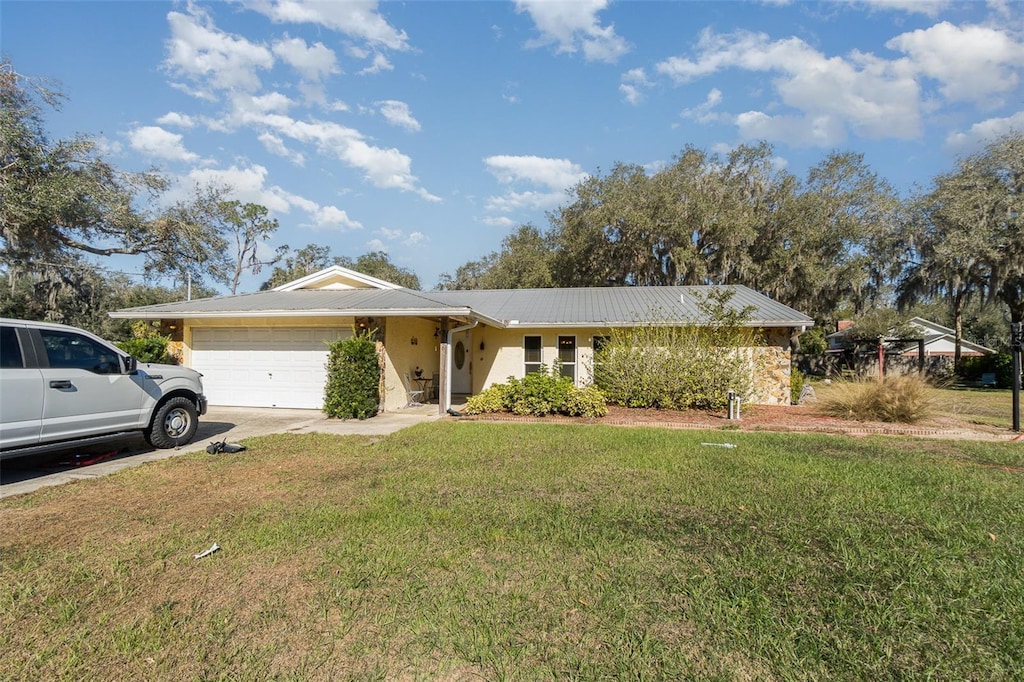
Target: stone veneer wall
x=771, y=366
x=176, y=350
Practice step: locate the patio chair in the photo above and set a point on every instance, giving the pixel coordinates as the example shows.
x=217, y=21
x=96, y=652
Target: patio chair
x=414, y=395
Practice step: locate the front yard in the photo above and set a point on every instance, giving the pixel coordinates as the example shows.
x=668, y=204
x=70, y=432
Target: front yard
x=526, y=551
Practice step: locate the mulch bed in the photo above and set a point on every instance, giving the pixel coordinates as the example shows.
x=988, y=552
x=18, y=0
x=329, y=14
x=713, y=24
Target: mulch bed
x=792, y=418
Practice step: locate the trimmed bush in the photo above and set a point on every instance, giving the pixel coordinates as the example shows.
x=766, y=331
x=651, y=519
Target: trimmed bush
x=486, y=402
x=585, y=402
x=904, y=399
x=353, y=378
x=539, y=394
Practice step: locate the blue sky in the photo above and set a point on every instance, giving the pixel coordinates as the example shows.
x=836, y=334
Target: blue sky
x=431, y=130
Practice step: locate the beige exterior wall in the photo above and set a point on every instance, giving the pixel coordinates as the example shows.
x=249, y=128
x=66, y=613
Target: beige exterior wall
x=503, y=355
x=402, y=356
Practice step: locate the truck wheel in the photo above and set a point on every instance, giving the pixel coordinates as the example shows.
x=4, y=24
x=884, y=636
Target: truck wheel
x=174, y=423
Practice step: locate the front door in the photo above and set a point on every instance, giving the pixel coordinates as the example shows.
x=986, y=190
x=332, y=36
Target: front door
x=462, y=363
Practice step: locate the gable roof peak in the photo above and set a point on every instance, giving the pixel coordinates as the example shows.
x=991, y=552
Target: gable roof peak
x=336, y=277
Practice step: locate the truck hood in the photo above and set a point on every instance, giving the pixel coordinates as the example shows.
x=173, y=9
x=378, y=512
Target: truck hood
x=158, y=372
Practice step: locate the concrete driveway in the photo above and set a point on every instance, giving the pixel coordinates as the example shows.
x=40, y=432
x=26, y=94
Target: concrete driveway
x=231, y=424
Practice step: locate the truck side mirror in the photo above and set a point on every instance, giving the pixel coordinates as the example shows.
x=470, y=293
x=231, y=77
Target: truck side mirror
x=131, y=365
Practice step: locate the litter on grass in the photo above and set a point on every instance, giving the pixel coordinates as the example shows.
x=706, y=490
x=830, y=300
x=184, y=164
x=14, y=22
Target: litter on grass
x=213, y=548
x=720, y=445
x=219, y=446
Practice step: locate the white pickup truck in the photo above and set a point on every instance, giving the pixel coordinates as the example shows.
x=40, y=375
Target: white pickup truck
x=61, y=387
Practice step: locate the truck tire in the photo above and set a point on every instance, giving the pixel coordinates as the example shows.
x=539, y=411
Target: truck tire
x=174, y=423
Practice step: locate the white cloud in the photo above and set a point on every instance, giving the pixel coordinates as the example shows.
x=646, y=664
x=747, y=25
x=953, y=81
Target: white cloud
x=872, y=97
x=414, y=238
x=355, y=18
x=398, y=114
x=499, y=221
x=930, y=8
x=972, y=62
x=520, y=201
x=376, y=245
x=380, y=63
x=107, y=147
x=817, y=131
x=201, y=52
x=633, y=84
x=384, y=168
x=156, y=142
x=390, y=234
x=328, y=217
x=314, y=62
x=982, y=133
x=557, y=174
x=704, y=112
x=275, y=145
x=574, y=26
x=173, y=118
x=245, y=184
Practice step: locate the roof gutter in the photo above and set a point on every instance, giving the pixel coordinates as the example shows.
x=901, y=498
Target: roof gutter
x=445, y=396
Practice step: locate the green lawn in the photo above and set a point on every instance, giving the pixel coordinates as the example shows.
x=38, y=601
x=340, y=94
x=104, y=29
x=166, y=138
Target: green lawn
x=527, y=551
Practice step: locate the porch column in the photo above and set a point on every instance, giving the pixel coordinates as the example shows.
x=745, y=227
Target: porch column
x=444, y=376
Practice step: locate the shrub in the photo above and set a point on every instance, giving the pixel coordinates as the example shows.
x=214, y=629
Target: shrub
x=904, y=399
x=585, y=402
x=147, y=345
x=539, y=394
x=796, y=385
x=1000, y=364
x=353, y=378
x=486, y=402
x=151, y=349
x=689, y=367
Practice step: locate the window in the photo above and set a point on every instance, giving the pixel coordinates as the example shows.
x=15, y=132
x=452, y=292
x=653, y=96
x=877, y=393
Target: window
x=69, y=350
x=599, y=344
x=567, y=356
x=10, y=349
x=531, y=354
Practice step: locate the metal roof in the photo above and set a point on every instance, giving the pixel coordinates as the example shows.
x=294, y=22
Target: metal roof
x=616, y=306
x=571, y=307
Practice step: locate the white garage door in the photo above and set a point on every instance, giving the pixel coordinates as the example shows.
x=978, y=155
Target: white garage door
x=264, y=367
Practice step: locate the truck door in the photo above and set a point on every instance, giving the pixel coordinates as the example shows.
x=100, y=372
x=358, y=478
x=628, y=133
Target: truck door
x=85, y=390
x=21, y=392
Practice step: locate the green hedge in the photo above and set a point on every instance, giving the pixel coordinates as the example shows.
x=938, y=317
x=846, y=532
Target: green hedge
x=353, y=378
x=539, y=394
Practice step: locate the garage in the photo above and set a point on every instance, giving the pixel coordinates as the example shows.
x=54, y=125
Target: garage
x=264, y=366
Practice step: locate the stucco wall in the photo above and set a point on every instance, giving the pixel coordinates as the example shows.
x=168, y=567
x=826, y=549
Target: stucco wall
x=503, y=356
x=402, y=356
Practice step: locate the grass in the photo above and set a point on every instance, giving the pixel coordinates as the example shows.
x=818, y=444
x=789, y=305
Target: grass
x=906, y=399
x=537, y=551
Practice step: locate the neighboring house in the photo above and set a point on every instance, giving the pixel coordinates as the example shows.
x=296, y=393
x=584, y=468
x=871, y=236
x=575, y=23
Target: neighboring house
x=268, y=349
x=938, y=341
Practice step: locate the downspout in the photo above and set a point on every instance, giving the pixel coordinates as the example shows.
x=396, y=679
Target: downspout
x=445, y=396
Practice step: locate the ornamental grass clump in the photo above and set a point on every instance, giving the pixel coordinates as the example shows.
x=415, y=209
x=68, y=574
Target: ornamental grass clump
x=905, y=399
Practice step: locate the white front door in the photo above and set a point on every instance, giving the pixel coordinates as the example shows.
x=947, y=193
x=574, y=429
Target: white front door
x=462, y=363
x=264, y=366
